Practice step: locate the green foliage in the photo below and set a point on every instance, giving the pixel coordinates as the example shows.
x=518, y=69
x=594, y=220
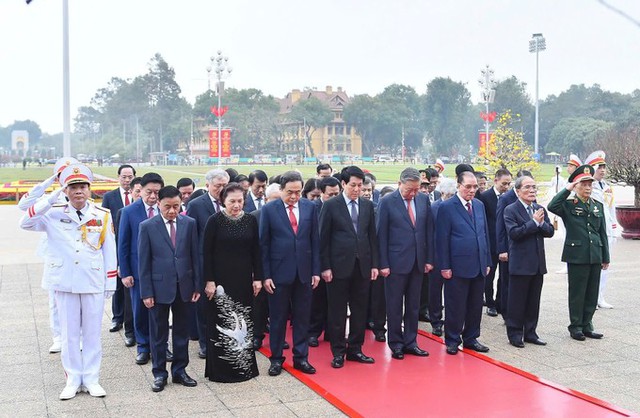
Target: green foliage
x=313, y=114
x=511, y=94
x=576, y=135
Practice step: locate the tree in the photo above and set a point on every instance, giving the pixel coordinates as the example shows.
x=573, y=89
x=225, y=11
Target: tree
x=509, y=149
x=362, y=112
x=312, y=114
x=511, y=94
x=399, y=111
x=623, y=156
x=576, y=135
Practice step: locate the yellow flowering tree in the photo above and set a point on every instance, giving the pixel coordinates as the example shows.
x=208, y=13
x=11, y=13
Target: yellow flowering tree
x=507, y=147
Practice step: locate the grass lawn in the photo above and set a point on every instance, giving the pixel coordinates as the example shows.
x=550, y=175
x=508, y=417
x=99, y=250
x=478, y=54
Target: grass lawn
x=385, y=173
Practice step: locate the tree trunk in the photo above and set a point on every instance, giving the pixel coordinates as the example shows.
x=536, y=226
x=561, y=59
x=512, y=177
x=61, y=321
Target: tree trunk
x=636, y=195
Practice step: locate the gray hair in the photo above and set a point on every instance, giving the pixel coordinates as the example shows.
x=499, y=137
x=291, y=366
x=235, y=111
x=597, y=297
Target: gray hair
x=448, y=186
x=519, y=180
x=409, y=174
x=271, y=190
x=216, y=173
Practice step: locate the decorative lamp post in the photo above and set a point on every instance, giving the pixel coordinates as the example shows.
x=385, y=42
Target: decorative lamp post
x=537, y=44
x=222, y=69
x=487, y=84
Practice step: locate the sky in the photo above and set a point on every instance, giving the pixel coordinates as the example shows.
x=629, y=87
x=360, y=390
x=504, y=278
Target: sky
x=279, y=45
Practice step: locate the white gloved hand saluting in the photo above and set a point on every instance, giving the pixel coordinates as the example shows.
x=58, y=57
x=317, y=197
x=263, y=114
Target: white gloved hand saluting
x=55, y=196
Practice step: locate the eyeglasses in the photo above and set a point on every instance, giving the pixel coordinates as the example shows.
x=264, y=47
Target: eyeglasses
x=530, y=187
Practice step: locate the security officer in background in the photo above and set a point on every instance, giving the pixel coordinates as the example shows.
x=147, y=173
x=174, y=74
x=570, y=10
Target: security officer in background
x=82, y=269
x=586, y=250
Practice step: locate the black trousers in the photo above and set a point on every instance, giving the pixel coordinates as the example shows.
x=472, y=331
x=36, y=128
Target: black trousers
x=436, y=284
x=294, y=298
x=121, y=308
x=504, y=289
x=424, y=295
x=489, y=299
x=260, y=314
x=352, y=290
x=377, y=305
x=463, y=309
x=159, y=336
x=523, y=307
x=319, y=310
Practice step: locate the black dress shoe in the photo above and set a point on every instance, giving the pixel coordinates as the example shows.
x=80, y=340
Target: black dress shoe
x=380, y=337
x=313, y=342
x=535, y=341
x=202, y=353
x=476, y=346
x=370, y=325
x=578, y=335
x=158, y=384
x=142, y=358
x=304, y=367
x=452, y=349
x=337, y=362
x=169, y=355
x=275, y=368
x=437, y=330
x=517, y=343
x=594, y=335
x=360, y=357
x=185, y=380
x=129, y=341
x=416, y=351
x=424, y=317
x=397, y=354
x=492, y=312
x=285, y=346
x=115, y=327
x=257, y=343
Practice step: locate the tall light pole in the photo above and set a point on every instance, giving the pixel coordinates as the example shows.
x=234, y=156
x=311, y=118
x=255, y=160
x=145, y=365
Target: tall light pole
x=222, y=69
x=66, y=106
x=537, y=44
x=487, y=84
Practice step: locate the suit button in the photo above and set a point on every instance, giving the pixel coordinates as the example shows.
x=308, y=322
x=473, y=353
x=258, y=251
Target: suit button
x=572, y=244
x=77, y=251
x=76, y=262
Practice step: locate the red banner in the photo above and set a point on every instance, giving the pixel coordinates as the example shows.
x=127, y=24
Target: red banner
x=482, y=143
x=226, y=143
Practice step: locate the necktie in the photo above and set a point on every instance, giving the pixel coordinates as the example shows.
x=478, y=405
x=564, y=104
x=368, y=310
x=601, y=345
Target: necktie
x=530, y=210
x=151, y=214
x=79, y=214
x=259, y=203
x=126, y=198
x=172, y=234
x=601, y=185
x=292, y=219
x=469, y=209
x=410, y=210
x=217, y=205
x=354, y=215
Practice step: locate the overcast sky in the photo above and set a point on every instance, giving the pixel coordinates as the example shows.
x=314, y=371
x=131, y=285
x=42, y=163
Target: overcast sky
x=280, y=45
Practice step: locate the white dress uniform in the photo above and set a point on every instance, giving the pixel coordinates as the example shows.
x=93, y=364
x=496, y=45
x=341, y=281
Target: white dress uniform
x=81, y=268
x=26, y=201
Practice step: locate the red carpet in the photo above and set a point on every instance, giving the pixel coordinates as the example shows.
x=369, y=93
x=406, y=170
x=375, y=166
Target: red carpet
x=465, y=385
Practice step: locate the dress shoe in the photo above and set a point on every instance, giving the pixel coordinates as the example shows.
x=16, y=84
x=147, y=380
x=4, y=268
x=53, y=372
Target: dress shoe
x=604, y=305
x=95, y=390
x=437, y=330
x=476, y=346
x=313, y=342
x=115, y=327
x=129, y=341
x=416, y=351
x=169, y=355
x=184, y=379
x=594, y=335
x=424, y=317
x=56, y=347
x=452, y=349
x=275, y=368
x=492, y=312
x=517, y=343
x=304, y=367
x=380, y=337
x=158, y=384
x=257, y=344
x=360, y=357
x=69, y=392
x=397, y=354
x=578, y=335
x=337, y=362
x=142, y=358
x=285, y=346
x=535, y=341
x=202, y=353
x=370, y=325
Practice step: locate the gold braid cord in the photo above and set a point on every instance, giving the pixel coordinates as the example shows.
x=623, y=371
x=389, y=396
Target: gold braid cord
x=103, y=233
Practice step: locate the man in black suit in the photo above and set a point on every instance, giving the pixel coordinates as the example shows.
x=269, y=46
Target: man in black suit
x=501, y=183
x=201, y=209
x=349, y=260
x=169, y=280
x=186, y=186
x=433, y=176
x=502, y=244
x=255, y=197
x=323, y=170
x=115, y=200
x=527, y=224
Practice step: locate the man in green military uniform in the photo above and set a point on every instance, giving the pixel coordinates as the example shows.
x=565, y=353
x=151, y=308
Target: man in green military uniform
x=586, y=249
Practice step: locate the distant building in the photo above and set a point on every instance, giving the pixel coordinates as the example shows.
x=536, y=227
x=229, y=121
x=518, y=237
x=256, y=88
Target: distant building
x=336, y=139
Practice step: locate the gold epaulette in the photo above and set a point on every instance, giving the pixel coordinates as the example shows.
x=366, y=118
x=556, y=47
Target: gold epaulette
x=59, y=205
x=102, y=209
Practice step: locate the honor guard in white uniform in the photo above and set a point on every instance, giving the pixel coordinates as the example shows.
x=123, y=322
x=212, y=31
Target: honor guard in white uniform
x=603, y=193
x=26, y=201
x=81, y=263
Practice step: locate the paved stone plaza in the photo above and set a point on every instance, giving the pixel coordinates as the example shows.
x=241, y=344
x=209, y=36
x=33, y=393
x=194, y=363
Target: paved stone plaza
x=32, y=378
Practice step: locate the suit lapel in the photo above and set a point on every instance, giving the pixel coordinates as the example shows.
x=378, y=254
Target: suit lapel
x=162, y=229
x=346, y=211
x=282, y=212
x=400, y=204
x=181, y=232
x=463, y=211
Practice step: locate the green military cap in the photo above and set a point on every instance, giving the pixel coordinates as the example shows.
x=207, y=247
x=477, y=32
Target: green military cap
x=582, y=173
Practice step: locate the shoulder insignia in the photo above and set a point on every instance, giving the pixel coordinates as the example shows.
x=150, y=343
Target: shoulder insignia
x=59, y=205
x=102, y=209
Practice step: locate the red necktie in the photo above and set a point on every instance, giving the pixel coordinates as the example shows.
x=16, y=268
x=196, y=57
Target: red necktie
x=469, y=209
x=172, y=234
x=151, y=214
x=293, y=220
x=410, y=210
x=126, y=198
